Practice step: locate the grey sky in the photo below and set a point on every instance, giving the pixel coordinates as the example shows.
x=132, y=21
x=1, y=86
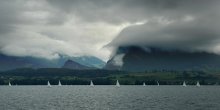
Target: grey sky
x=47, y=28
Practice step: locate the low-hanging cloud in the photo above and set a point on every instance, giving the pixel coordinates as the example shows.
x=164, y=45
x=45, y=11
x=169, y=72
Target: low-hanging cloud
x=193, y=31
x=41, y=29
x=118, y=60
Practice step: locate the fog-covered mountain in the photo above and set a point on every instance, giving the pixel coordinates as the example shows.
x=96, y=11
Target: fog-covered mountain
x=12, y=62
x=134, y=58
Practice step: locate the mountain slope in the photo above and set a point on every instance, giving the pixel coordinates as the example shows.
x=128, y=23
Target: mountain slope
x=138, y=59
x=12, y=62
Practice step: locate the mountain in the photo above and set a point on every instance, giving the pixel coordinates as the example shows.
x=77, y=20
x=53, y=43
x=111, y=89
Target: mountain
x=13, y=62
x=139, y=59
x=74, y=65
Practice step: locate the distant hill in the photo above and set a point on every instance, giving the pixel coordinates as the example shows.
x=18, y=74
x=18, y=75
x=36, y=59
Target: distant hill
x=12, y=62
x=74, y=65
x=138, y=59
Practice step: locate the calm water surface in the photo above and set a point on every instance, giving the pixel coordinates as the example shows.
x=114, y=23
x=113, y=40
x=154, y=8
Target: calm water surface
x=110, y=98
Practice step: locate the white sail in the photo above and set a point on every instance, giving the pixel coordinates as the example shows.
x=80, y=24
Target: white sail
x=144, y=84
x=117, y=84
x=197, y=84
x=9, y=84
x=48, y=84
x=91, y=84
x=158, y=83
x=59, y=83
x=184, y=84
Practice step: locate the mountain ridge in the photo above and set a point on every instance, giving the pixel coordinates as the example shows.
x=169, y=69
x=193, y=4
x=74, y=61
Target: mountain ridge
x=14, y=62
x=138, y=59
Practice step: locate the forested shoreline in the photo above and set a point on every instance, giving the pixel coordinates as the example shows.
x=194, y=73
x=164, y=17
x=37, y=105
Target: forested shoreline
x=29, y=76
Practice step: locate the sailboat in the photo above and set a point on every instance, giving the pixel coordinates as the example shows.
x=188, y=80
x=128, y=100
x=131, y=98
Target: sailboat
x=184, y=84
x=158, y=83
x=197, y=84
x=9, y=84
x=48, y=84
x=117, y=84
x=144, y=84
x=91, y=84
x=59, y=83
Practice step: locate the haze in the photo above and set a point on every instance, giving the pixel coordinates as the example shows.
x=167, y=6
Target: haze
x=50, y=28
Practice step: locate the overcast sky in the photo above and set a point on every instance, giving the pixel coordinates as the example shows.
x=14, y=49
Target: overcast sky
x=47, y=28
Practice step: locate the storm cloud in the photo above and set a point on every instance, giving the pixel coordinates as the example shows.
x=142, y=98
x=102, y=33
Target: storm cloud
x=49, y=28
x=193, y=28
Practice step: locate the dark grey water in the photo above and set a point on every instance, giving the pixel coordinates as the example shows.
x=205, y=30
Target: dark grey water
x=110, y=98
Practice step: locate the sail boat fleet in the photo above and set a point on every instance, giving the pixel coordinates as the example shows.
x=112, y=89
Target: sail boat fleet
x=91, y=84
x=9, y=84
x=48, y=84
x=59, y=84
x=144, y=84
x=184, y=84
x=197, y=84
x=117, y=84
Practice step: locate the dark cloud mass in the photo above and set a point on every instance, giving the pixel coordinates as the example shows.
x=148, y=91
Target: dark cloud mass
x=188, y=26
x=47, y=28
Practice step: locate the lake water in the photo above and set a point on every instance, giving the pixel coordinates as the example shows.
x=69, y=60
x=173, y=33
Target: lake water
x=109, y=98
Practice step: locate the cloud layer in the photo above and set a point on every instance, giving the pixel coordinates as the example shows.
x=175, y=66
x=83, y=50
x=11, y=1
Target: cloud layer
x=193, y=28
x=48, y=28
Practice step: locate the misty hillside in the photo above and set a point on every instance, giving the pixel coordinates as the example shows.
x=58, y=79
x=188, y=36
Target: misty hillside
x=89, y=61
x=137, y=59
x=12, y=62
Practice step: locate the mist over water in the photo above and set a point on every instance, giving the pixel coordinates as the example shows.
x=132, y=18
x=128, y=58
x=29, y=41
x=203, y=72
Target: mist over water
x=109, y=98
